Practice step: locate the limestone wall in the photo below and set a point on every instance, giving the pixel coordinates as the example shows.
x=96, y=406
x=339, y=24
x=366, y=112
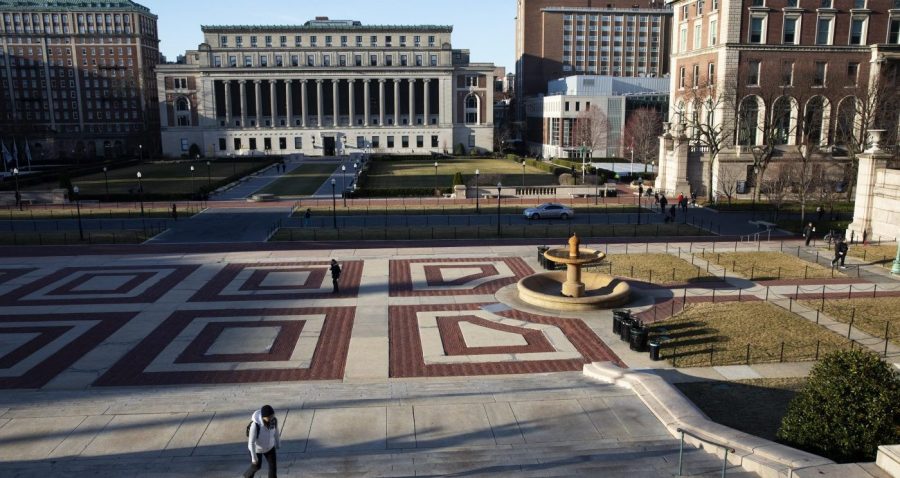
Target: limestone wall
x=886, y=204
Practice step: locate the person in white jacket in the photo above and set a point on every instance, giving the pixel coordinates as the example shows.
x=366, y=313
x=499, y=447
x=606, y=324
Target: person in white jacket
x=263, y=439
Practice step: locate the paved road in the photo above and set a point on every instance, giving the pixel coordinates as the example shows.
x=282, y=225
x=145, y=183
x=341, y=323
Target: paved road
x=225, y=225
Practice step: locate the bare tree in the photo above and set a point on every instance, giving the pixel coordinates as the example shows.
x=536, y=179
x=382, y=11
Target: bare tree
x=641, y=135
x=777, y=189
x=708, y=120
x=592, y=130
x=825, y=178
x=727, y=182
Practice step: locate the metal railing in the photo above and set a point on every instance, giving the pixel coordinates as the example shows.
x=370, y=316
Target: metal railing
x=684, y=432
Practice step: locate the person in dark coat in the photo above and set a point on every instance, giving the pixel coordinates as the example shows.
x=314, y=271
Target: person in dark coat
x=840, y=253
x=335, y=275
x=808, y=231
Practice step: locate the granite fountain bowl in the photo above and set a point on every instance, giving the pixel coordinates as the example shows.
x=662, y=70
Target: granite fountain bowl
x=601, y=291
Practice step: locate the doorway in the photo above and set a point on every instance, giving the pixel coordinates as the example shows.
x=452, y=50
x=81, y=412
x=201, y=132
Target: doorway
x=328, y=145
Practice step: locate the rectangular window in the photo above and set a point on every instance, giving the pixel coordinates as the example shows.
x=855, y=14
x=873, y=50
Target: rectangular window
x=859, y=3
x=264, y=61
x=852, y=72
x=433, y=60
x=390, y=142
x=358, y=40
x=420, y=141
x=375, y=141
x=819, y=73
x=268, y=40
x=404, y=141
x=326, y=60
x=696, y=79
x=856, y=31
x=404, y=60
x=373, y=60
x=894, y=32
x=756, y=30
x=787, y=73
x=388, y=60
x=327, y=40
x=310, y=60
x=434, y=141
x=697, y=36
x=789, y=36
x=711, y=74
x=282, y=143
x=753, y=73
x=387, y=40
x=222, y=144
x=360, y=141
x=823, y=31
x=343, y=40
x=373, y=40
x=682, y=39
x=223, y=40
x=298, y=142
x=713, y=32
x=681, y=74
x=248, y=61
x=253, y=40
x=357, y=60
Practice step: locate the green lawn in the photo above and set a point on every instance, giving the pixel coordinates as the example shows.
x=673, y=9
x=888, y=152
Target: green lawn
x=162, y=177
x=302, y=181
x=397, y=174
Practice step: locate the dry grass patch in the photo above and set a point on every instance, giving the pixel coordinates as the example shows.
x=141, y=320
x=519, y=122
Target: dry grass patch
x=882, y=254
x=872, y=314
x=654, y=268
x=719, y=334
x=768, y=265
x=751, y=406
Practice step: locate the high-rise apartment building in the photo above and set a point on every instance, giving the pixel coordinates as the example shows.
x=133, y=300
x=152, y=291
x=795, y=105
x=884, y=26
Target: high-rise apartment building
x=326, y=87
x=559, y=38
x=771, y=76
x=78, y=77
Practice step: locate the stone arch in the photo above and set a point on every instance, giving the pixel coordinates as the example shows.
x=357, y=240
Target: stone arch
x=751, y=114
x=784, y=120
x=816, y=120
x=472, y=109
x=182, y=107
x=847, y=126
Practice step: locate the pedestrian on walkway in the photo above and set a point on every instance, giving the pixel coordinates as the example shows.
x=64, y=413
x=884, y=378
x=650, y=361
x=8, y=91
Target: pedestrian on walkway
x=262, y=440
x=335, y=275
x=693, y=198
x=840, y=253
x=679, y=198
x=808, y=231
x=662, y=203
x=672, y=213
x=656, y=198
x=306, y=217
x=174, y=212
x=683, y=202
x=820, y=211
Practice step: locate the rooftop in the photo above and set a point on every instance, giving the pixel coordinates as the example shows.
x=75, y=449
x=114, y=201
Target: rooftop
x=324, y=24
x=71, y=5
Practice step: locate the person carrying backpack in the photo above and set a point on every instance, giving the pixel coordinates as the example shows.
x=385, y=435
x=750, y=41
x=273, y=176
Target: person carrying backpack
x=840, y=253
x=335, y=275
x=263, y=439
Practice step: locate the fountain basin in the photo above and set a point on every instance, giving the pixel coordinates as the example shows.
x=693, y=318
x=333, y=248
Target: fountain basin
x=601, y=291
x=585, y=256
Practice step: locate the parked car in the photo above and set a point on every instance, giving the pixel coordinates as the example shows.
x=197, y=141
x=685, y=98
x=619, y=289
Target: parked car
x=549, y=210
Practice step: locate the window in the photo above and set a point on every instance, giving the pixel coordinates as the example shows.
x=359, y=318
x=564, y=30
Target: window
x=283, y=40
x=696, y=80
x=756, y=30
x=268, y=40
x=239, y=41
x=789, y=36
x=298, y=142
x=343, y=40
x=431, y=40
x=279, y=60
x=856, y=31
x=342, y=60
x=248, y=61
x=357, y=60
x=753, y=73
x=713, y=32
x=373, y=60
x=681, y=74
x=711, y=74
x=312, y=40
x=310, y=60
x=418, y=60
x=819, y=73
x=387, y=40
x=223, y=40
x=388, y=60
x=824, y=3
x=894, y=32
x=697, y=35
x=823, y=31
x=327, y=40
x=404, y=60
x=326, y=60
x=787, y=73
x=373, y=40
x=859, y=4
x=358, y=40
x=298, y=40
x=682, y=39
x=434, y=141
x=420, y=141
x=253, y=40
x=433, y=60
x=264, y=61
x=404, y=141
x=852, y=72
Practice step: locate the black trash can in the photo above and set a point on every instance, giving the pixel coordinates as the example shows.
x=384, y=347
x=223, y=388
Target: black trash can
x=638, y=339
x=655, y=346
x=542, y=261
x=618, y=316
x=625, y=330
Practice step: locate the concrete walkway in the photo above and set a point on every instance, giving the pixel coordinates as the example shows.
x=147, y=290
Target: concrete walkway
x=225, y=225
x=248, y=185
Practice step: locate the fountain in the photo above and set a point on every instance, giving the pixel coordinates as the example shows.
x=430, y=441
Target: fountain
x=573, y=289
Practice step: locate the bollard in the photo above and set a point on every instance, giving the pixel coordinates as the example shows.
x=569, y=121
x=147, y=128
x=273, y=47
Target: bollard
x=852, y=317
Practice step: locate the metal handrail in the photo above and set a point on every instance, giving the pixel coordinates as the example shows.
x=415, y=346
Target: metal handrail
x=684, y=432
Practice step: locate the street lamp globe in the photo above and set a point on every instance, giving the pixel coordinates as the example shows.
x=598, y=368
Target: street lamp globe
x=16, y=171
x=75, y=189
x=139, y=175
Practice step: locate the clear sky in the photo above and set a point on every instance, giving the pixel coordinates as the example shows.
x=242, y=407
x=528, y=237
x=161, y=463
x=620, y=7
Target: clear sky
x=485, y=27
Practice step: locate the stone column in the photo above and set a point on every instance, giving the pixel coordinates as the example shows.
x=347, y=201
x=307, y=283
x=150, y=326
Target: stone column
x=243, y=85
x=412, y=101
x=870, y=161
x=288, y=99
x=425, y=101
x=304, y=110
x=257, y=91
x=272, y=104
x=350, y=106
x=227, y=103
x=366, y=101
x=396, y=101
x=320, y=103
x=381, y=101
x=334, y=99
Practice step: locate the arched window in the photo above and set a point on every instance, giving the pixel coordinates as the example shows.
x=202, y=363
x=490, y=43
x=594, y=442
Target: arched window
x=748, y=121
x=846, y=128
x=472, y=111
x=815, y=127
x=181, y=104
x=182, y=111
x=781, y=120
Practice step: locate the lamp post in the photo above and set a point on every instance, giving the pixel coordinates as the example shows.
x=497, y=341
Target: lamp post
x=477, y=209
x=343, y=184
x=435, y=175
x=640, y=193
x=106, y=181
x=141, y=152
x=18, y=194
x=523, y=172
x=208, y=175
x=499, y=194
x=192, y=180
x=141, y=192
x=333, y=205
x=78, y=210
x=596, y=186
x=583, y=159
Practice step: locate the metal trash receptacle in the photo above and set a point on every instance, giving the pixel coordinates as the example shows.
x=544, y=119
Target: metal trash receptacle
x=655, y=346
x=625, y=330
x=542, y=261
x=638, y=338
x=618, y=316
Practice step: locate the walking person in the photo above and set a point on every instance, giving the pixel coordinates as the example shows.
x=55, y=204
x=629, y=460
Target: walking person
x=820, y=211
x=656, y=198
x=808, y=231
x=693, y=198
x=684, y=205
x=263, y=438
x=840, y=253
x=335, y=275
x=672, y=213
x=306, y=217
x=174, y=212
x=662, y=203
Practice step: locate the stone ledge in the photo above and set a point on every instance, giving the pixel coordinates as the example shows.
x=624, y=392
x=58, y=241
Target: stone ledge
x=888, y=459
x=674, y=410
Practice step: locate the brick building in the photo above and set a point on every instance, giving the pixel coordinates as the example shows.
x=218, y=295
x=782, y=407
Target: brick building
x=323, y=88
x=559, y=38
x=78, y=78
x=776, y=75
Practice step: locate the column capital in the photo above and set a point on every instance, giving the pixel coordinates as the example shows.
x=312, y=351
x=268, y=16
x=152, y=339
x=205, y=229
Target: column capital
x=382, y=80
x=257, y=82
x=351, y=80
x=319, y=82
x=426, y=80
x=242, y=82
x=288, y=81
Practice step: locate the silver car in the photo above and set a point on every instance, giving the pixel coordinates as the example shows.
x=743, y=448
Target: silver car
x=549, y=210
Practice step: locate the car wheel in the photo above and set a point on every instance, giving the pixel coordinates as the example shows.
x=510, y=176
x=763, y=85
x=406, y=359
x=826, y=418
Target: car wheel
x=564, y=216
x=535, y=216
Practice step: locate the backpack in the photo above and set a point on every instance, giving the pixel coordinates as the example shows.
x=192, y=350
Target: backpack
x=247, y=433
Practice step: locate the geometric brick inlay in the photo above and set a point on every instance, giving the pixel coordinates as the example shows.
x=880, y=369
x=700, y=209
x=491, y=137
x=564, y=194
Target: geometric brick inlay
x=327, y=363
x=281, y=348
x=70, y=278
x=93, y=328
x=10, y=274
x=407, y=357
x=226, y=280
x=401, y=280
x=455, y=343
